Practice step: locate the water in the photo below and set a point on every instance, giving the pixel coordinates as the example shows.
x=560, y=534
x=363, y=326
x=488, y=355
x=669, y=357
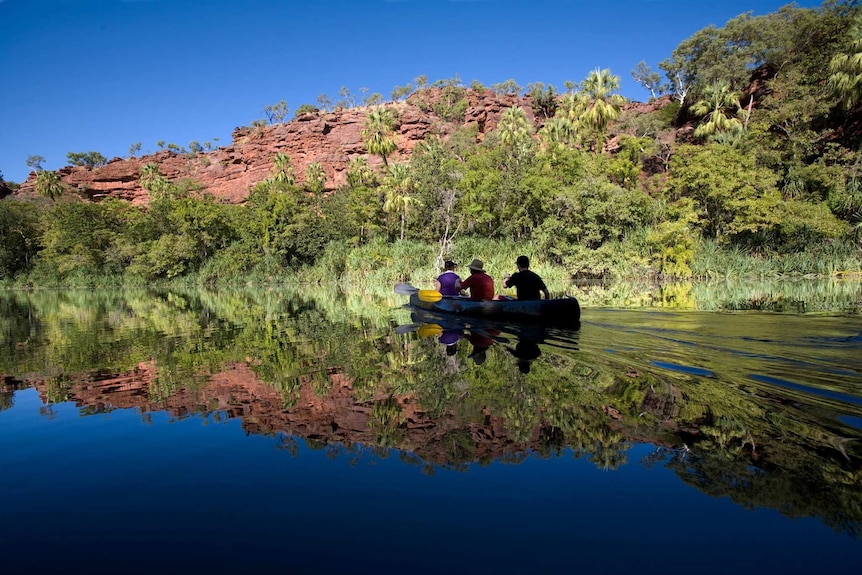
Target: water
x=269, y=432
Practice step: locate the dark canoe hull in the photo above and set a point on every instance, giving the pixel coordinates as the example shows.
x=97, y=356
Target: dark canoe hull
x=565, y=312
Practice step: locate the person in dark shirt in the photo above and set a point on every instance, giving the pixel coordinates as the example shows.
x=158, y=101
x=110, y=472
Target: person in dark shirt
x=527, y=283
x=480, y=284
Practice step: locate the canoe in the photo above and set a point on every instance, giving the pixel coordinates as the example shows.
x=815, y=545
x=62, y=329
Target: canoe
x=563, y=312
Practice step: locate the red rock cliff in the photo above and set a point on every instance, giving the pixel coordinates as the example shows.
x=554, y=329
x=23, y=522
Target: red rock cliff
x=329, y=138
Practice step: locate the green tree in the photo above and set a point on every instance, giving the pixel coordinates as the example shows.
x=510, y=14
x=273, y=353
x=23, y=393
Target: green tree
x=397, y=187
x=378, y=133
x=306, y=109
x=35, y=162
x=374, y=99
x=347, y=100
x=734, y=198
x=79, y=236
x=89, y=159
x=604, y=106
x=543, y=99
x=436, y=171
x=276, y=113
x=134, y=149
x=20, y=236
x=650, y=80
x=401, y=92
x=510, y=86
x=324, y=103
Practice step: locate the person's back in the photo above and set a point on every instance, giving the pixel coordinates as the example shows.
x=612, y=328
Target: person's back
x=528, y=284
x=449, y=283
x=480, y=284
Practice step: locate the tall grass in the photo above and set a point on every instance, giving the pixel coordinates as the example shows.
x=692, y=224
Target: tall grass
x=825, y=259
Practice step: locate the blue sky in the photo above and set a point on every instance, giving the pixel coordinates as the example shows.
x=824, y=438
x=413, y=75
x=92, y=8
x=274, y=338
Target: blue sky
x=81, y=75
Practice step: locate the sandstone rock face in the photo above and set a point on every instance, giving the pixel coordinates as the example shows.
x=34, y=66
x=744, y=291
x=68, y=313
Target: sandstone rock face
x=329, y=138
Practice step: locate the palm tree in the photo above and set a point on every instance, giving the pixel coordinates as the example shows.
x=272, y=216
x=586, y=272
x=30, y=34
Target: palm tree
x=358, y=173
x=845, y=78
x=153, y=181
x=397, y=187
x=282, y=170
x=48, y=184
x=604, y=106
x=718, y=106
x=557, y=132
x=515, y=128
x=315, y=177
x=378, y=134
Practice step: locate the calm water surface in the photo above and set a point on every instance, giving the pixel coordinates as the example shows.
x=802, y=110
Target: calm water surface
x=266, y=432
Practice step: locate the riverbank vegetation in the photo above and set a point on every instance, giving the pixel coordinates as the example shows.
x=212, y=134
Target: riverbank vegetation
x=751, y=168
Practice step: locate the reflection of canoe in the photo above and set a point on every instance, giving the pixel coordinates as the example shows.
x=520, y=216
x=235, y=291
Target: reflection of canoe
x=563, y=312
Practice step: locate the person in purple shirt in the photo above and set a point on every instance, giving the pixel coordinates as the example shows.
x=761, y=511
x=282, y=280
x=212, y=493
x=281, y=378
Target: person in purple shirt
x=448, y=283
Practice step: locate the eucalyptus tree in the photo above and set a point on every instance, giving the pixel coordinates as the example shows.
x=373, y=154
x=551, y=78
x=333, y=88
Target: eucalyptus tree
x=401, y=92
x=543, y=99
x=650, y=80
x=510, y=86
x=379, y=133
x=718, y=109
x=605, y=106
x=276, y=113
x=398, y=186
x=35, y=161
x=436, y=172
x=89, y=159
x=347, y=100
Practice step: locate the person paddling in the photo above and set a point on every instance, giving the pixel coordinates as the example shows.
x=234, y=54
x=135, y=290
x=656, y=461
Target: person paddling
x=527, y=283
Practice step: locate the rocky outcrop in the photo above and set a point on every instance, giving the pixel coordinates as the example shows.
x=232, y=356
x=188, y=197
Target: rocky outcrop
x=331, y=139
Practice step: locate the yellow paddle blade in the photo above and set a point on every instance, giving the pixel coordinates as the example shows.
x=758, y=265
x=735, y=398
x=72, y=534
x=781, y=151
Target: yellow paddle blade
x=429, y=330
x=430, y=295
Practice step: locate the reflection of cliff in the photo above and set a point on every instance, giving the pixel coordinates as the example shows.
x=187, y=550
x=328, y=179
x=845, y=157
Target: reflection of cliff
x=335, y=418
x=715, y=455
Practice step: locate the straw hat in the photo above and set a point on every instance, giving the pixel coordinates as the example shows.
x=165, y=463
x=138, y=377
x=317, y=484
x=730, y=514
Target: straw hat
x=477, y=265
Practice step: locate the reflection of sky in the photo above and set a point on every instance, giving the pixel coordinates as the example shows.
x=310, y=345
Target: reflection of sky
x=110, y=493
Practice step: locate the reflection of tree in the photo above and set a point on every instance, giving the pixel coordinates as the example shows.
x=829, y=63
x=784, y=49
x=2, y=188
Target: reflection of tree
x=720, y=435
